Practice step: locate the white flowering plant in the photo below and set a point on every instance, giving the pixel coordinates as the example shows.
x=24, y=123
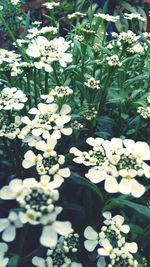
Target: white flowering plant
x=75, y=140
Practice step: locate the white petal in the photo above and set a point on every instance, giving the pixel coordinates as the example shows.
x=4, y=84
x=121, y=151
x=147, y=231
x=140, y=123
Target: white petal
x=129, y=143
x=107, y=215
x=7, y=193
x=41, y=145
x=37, y=261
x=125, y=229
x=76, y=151
x=65, y=109
x=101, y=262
x=27, y=164
x=125, y=186
x=90, y=233
x=65, y=172
x=90, y=245
x=137, y=189
x=48, y=237
x=95, y=176
x=9, y=234
x=34, y=111
x=131, y=247
x=111, y=185
x=18, y=106
x=102, y=252
x=62, y=120
x=66, y=131
x=118, y=219
x=37, y=132
x=62, y=228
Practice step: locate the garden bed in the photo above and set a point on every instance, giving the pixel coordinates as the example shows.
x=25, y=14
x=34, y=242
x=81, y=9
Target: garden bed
x=74, y=135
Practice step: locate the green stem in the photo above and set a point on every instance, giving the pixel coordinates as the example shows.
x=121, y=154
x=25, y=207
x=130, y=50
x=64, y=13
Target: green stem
x=46, y=83
x=104, y=92
x=55, y=75
x=25, y=58
x=35, y=86
x=28, y=89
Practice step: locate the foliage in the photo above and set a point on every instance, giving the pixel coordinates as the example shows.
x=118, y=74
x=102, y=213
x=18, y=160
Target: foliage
x=74, y=114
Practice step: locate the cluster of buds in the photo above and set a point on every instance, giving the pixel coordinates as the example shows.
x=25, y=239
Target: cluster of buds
x=93, y=84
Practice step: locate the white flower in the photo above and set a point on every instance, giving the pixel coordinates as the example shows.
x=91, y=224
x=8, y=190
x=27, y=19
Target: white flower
x=93, y=239
x=49, y=262
x=114, y=61
x=128, y=37
x=110, y=160
x=107, y=249
x=116, y=221
x=15, y=2
x=58, y=91
x=30, y=159
x=75, y=15
x=45, y=52
x=26, y=193
x=133, y=16
x=11, y=130
x=47, y=122
x=93, y=84
x=46, y=147
x=51, y=5
x=8, y=226
x=50, y=232
x=106, y=174
x=129, y=185
x=40, y=262
x=107, y=17
x=12, y=98
x=137, y=49
x=12, y=191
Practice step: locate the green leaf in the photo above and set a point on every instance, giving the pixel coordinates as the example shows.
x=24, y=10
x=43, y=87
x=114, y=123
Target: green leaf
x=83, y=181
x=27, y=22
x=14, y=260
x=126, y=5
x=136, y=229
x=119, y=202
x=121, y=24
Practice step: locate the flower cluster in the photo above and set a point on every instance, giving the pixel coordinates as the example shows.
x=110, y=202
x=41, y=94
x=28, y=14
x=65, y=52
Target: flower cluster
x=145, y=111
x=51, y=5
x=76, y=15
x=8, y=226
x=107, y=17
x=48, y=121
x=12, y=99
x=36, y=31
x=93, y=84
x=114, y=61
x=137, y=49
x=9, y=60
x=58, y=91
x=15, y=2
x=44, y=52
x=49, y=162
x=37, y=203
x=10, y=130
x=111, y=243
x=133, y=16
x=117, y=162
x=127, y=38
x=59, y=256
